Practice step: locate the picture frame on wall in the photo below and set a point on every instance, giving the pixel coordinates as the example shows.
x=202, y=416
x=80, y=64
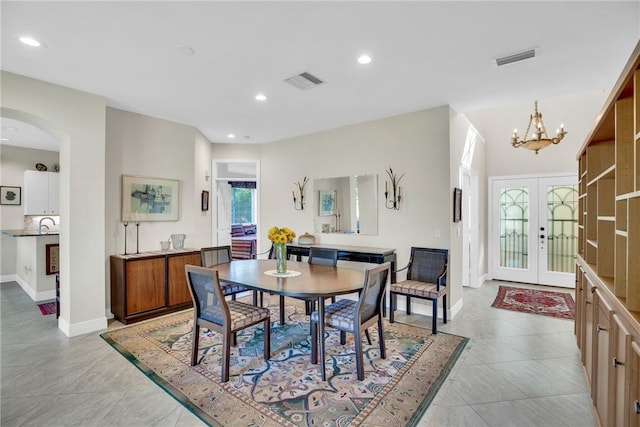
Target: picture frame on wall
x=205, y=200
x=10, y=195
x=149, y=199
x=457, y=204
x=52, y=258
x=326, y=202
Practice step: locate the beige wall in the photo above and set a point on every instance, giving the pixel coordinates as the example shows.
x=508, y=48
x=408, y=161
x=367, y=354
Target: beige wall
x=145, y=146
x=77, y=120
x=416, y=144
x=13, y=162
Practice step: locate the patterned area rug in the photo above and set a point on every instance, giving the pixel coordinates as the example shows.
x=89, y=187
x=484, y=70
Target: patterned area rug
x=287, y=390
x=47, y=308
x=547, y=303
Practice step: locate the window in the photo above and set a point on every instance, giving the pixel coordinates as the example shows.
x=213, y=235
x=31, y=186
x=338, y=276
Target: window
x=243, y=202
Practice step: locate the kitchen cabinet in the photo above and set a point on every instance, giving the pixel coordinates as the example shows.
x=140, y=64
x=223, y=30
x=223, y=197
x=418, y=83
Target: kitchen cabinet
x=150, y=284
x=41, y=193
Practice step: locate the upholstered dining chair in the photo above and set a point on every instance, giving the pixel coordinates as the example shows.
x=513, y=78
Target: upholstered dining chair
x=212, y=311
x=426, y=279
x=210, y=257
x=356, y=316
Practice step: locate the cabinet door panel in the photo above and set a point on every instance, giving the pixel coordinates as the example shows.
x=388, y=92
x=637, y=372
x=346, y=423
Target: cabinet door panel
x=54, y=193
x=36, y=192
x=145, y=285
x=634, y=388
x=178, y=289
x=604, y=352
x=622, y=344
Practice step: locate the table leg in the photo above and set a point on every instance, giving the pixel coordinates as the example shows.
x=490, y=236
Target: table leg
x=321, y=336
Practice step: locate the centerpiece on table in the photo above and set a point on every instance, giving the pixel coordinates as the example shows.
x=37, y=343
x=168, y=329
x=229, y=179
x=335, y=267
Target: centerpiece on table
x=280, y=237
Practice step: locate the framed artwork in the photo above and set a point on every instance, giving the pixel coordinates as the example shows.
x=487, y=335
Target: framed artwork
x=149, y=199
x=457, y=205
x=327, y=203
x=53, y=258
x=10, y=195
x=205, y=200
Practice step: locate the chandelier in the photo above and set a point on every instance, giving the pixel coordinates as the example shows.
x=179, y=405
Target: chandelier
x=539, y=138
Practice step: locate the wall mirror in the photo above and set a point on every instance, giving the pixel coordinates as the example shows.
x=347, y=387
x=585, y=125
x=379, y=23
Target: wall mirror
x=346, y=204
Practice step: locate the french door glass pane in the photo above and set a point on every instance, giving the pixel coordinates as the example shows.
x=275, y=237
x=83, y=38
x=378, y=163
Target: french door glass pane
x=514, y=227
x=562, y=227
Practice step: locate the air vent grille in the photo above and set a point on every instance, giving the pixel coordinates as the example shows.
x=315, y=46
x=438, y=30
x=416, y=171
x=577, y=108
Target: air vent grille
x=304, y=81
x=516, y=57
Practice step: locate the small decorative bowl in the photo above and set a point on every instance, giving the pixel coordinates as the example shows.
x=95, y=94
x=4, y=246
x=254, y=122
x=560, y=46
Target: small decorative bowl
x=306, y=239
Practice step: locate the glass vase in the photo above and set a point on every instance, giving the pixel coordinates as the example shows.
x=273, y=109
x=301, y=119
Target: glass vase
x=281, y=257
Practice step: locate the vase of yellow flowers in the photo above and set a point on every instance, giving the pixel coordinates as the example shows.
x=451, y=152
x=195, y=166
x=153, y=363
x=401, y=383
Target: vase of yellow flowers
x=280, y=237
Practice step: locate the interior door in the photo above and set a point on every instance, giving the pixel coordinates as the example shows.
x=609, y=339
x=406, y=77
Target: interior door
x=534, y=229
x=223, y=226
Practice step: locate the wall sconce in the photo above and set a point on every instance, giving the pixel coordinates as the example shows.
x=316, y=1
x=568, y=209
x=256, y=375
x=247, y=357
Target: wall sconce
x=301, y=191
x=396, y=190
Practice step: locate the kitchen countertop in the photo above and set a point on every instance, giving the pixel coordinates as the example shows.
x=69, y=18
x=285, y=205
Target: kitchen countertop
x=28, y=233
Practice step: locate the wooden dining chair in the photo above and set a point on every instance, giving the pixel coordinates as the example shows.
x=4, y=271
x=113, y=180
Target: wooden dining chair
x=212, y=311
x=356, y=316
x=215, y=255
x=426, y=279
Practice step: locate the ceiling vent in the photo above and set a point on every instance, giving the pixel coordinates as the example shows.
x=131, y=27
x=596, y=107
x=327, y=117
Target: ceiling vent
x=304, y=81
x=516, y=57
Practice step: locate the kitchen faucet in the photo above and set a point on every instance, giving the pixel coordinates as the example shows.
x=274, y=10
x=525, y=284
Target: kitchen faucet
x=40, y=223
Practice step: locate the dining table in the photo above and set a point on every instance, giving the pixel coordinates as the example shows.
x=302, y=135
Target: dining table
x=302, y=280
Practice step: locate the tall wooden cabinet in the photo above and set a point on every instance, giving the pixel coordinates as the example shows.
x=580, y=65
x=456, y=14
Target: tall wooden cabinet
x=608, y=271
x=150, y=284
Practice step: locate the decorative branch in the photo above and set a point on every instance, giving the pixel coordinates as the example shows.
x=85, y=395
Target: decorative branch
x=394, y=202
x=301, y=191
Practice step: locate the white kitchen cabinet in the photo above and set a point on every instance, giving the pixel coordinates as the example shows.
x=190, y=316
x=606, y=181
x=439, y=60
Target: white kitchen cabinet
x=41, y=193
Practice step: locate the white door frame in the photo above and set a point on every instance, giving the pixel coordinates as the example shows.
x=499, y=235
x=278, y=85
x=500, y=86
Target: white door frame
x=215, y=168
x=470, y=229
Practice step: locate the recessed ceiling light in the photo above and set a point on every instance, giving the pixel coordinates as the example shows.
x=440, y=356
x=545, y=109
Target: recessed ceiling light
x=364, y=59
x=5, y=139
x=11, y=128
x=261, y=97
x=186, y=50
x=30, y=41
x=231, y=136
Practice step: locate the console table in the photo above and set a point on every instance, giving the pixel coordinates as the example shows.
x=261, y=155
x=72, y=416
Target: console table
x=350, y=253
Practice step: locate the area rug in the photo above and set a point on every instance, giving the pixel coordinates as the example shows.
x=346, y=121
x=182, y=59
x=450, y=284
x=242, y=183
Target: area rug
x=47, y=308
x=534, y=301
x=287, y=389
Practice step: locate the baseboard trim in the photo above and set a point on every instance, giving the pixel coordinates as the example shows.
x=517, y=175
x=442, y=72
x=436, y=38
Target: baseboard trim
x=81, y=328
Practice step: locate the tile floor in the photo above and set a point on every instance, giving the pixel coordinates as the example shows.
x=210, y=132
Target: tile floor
x=517, y=370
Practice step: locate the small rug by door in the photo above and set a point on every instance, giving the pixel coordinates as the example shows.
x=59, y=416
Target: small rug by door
x=47, y=308
x=287, y=390
x=534, y=301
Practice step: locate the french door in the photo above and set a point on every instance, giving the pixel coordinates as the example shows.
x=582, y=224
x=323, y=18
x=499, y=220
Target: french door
x=534, y=229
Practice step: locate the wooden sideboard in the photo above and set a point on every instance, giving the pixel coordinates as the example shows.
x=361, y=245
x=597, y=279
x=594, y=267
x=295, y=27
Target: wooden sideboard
x=350, y=253
x=150, y=284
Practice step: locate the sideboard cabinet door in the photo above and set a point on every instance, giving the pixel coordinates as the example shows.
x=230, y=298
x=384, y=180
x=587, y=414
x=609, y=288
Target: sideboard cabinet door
x=178, y=288
x=145, y=285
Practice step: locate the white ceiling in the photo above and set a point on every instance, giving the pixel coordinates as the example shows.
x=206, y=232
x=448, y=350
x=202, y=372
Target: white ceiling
x=425, y=54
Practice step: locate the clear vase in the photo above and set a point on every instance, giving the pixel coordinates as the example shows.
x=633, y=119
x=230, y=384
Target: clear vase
x=281, y=257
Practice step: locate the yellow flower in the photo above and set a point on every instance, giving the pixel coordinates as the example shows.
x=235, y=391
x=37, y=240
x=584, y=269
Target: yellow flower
x=281, y=235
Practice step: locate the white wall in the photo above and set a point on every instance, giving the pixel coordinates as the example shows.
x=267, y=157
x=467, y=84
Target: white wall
x=13, y=162
x=576, y=112
x=77, y=119
x=416, y=144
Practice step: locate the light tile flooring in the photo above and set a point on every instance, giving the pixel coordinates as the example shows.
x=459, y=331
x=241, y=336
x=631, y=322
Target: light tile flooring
x=517, y=370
